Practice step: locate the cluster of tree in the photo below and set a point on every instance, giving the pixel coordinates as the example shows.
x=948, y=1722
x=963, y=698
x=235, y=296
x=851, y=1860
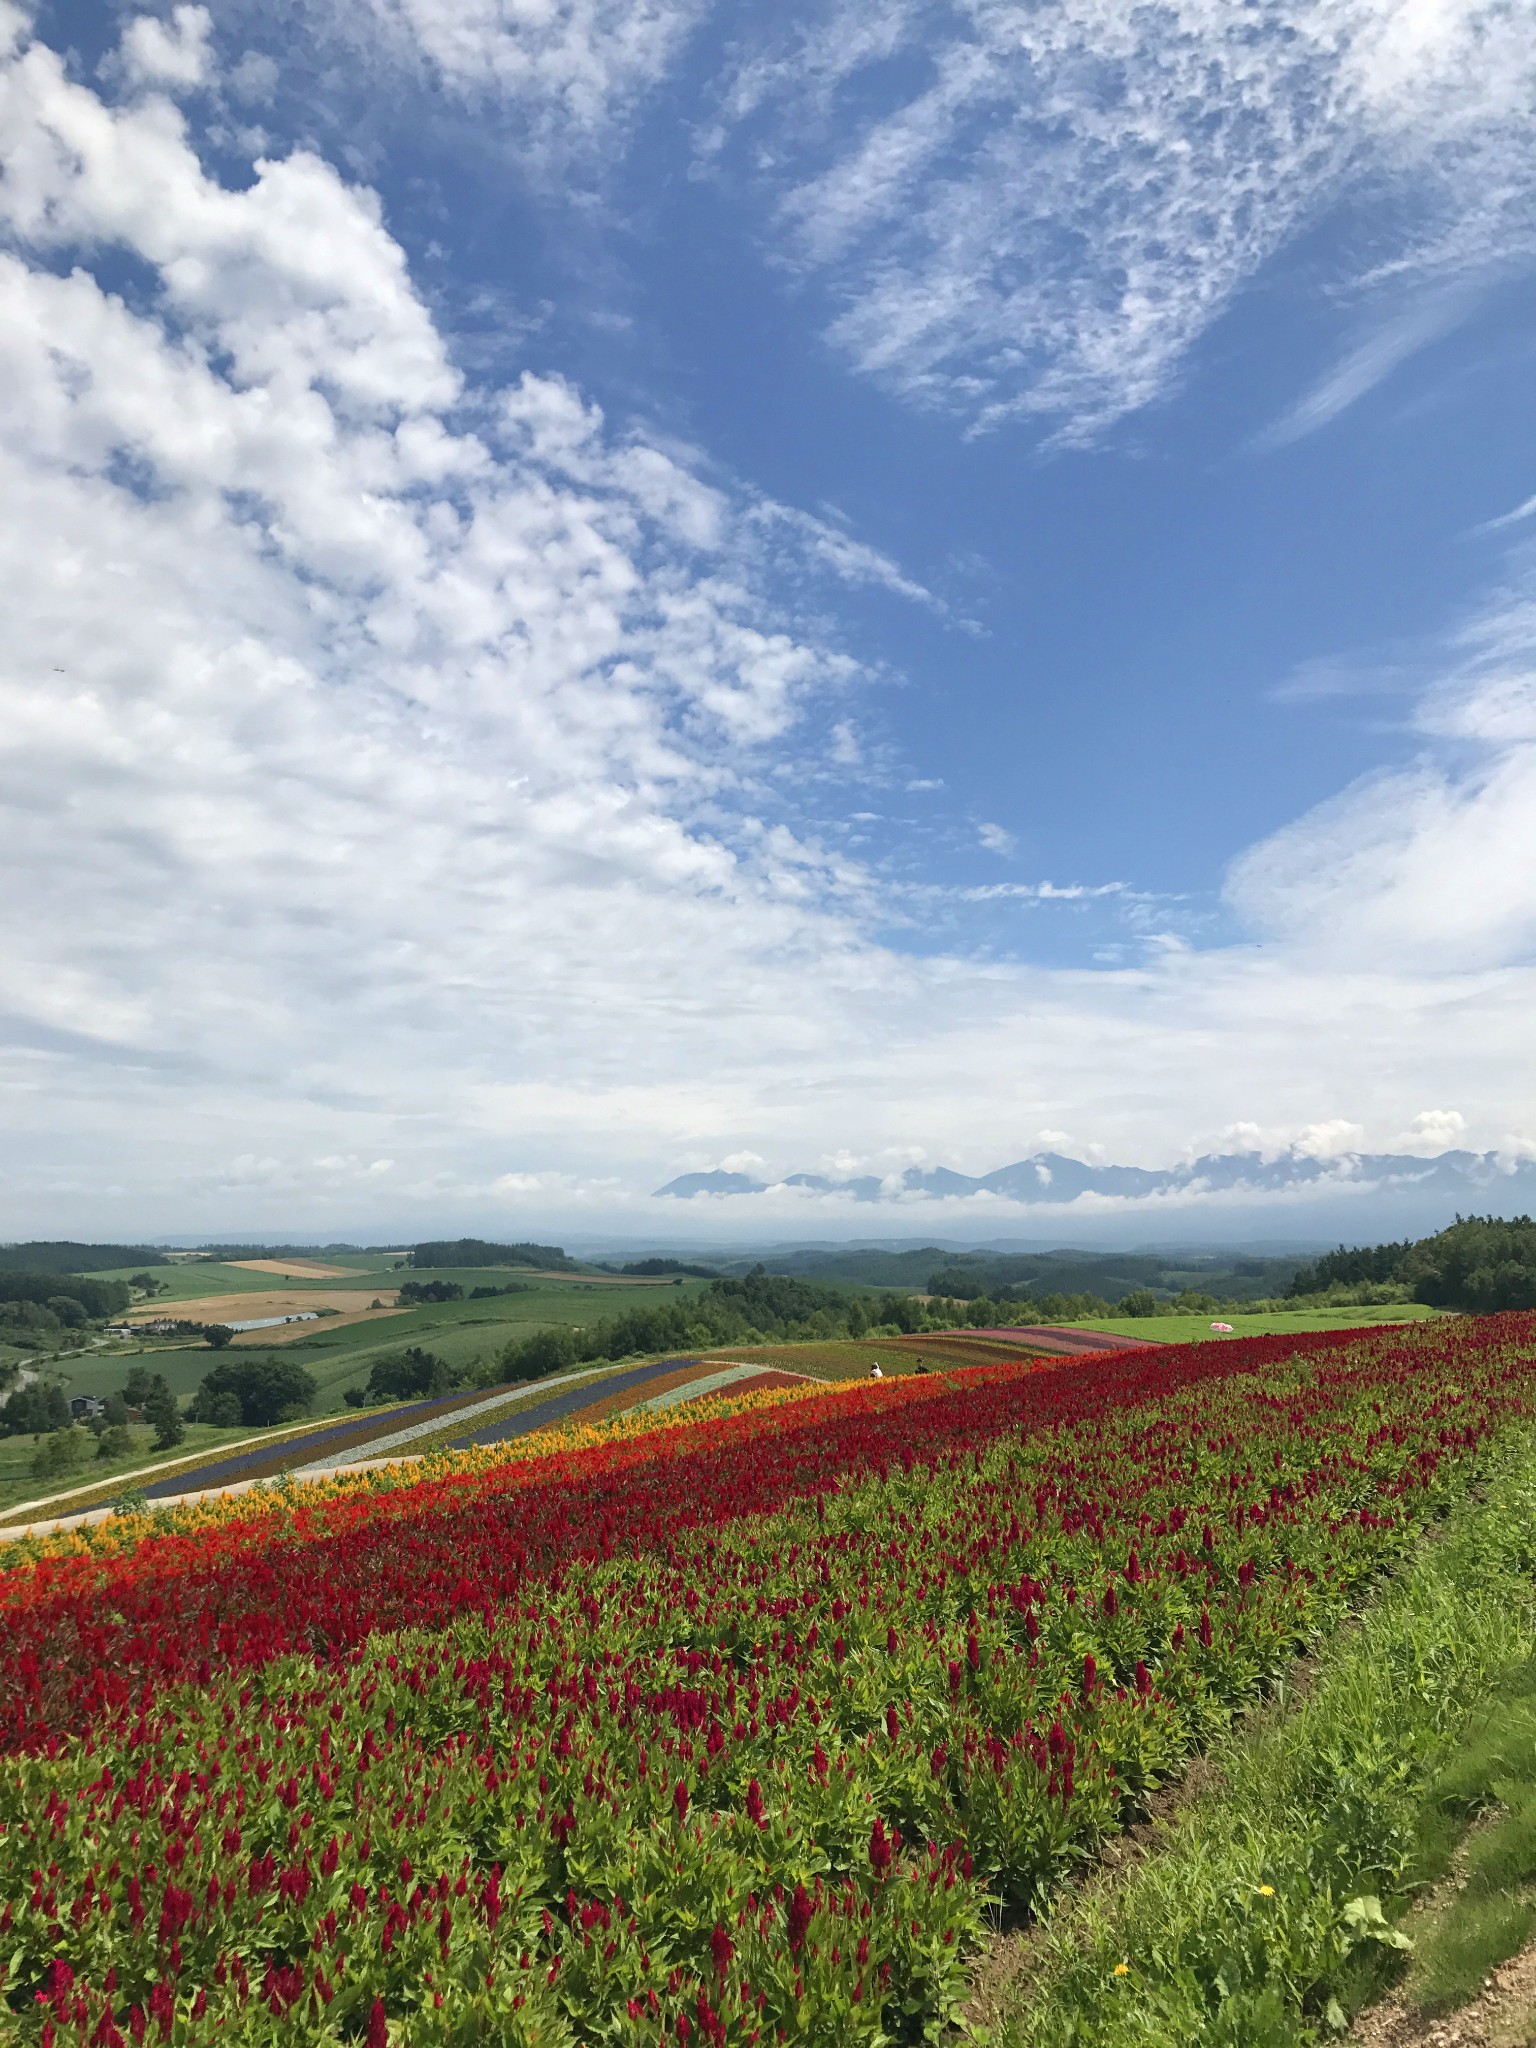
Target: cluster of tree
x=657, y=1269
x=407, y=1375
x=55, y=1257
x=255, y=1389
x=414, y=1292
x=1480, y=1264
x=63, y=1446
x=490, y=1293
x=760, y=1307
x=1109, y=1276
x=215, y=1334
x=39, y=1322
x=983, y=1312
x=274, y=1251
x=247, y=1389
x=92, y=1300
x=474, y=1251
x=1189, y=1301
x=43, y=1412
x=34, y=1410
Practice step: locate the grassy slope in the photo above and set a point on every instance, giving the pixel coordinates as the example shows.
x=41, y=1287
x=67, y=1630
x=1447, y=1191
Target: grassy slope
x=1255, y=1918
x=462, y=1332
x=1194, y=1329
x=18, y=1484
x=211, y=1276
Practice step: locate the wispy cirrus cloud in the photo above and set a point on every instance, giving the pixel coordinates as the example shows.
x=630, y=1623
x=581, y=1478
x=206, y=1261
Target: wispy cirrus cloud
x=1037, y=210
x=1368, y=363
x=382, y=758
x=571, y=73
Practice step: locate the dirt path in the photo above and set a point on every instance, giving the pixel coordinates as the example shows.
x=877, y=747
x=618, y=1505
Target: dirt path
x=1503, y=2017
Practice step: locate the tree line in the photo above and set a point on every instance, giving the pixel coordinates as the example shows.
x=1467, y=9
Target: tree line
x=476, y=1251
x=1479, y=1264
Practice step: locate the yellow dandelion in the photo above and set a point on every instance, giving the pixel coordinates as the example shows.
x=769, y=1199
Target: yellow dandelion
x=1266, y=1891
x=1122, y=1969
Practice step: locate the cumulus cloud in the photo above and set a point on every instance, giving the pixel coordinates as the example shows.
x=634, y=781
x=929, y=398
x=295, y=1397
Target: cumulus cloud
x=172, y=55
x=382, y=781
x=1432, y=1131
x=1040, y=208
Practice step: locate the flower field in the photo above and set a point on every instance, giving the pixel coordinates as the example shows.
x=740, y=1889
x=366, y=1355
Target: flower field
x=730, y=1730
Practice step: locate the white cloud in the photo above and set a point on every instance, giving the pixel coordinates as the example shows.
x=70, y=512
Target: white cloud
x=996, y=839
x=1335, y=1138
x=171, y=55
x=1043, y=206
x=574, y=68
x=853, y=561
x=1367, y=364
x=254, y=78
x=1432, y=1131
x=380, y=760
x=743, y=1162
x=1516, y=517
x=1430, y=865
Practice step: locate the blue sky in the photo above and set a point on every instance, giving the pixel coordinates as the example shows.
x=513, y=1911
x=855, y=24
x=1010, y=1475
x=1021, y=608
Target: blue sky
x=602, y=589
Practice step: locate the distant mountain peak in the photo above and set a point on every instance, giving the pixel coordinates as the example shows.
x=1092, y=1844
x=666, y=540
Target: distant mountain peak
x=1052, y=1179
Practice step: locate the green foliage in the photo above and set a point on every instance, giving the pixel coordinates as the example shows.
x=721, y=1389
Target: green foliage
x=1480, y=1264
x=34, y=1410
x=114, y=1411
x=1491, y=1777
x=29, y=1322
x=407, y=1375
x=266, y=1389
x=1105, y=1276
x=1261, y=1917
x=756, y=1307
x=414, y=1292
x=475, y=1251
x=114, y=1442
x=59, y=1453
x=140, y=1384
x=95, y=1298
x=161, y=1411
x=217, y=1336
x=50, y=1257
x=656, y=1269
x=1141, y=1301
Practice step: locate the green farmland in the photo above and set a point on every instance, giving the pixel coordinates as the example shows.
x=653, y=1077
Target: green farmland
x=1274, y=1322
x=461, y=1333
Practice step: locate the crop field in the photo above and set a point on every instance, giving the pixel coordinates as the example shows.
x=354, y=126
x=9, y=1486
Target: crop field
x=338, y=1350
x=747, y=1729
x=294, y=1269
x=850, y=1358
x=267, y=1301
x=1272, y=1323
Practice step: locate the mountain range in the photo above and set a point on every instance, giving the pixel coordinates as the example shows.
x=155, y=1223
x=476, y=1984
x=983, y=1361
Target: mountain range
x=1468, y=1179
